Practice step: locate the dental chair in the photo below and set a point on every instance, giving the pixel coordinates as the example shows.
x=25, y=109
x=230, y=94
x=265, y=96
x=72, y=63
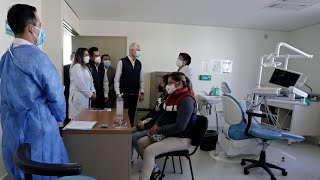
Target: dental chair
x=229, y=147
x=242, y=128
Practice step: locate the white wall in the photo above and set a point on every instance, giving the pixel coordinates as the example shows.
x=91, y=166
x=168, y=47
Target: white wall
x=308, y=40
x=161, y=44
x=52, y=20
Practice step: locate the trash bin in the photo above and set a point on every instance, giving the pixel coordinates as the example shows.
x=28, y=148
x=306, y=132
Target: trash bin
x=209, y=141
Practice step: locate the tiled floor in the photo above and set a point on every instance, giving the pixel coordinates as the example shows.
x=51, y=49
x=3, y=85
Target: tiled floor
x=302, y=163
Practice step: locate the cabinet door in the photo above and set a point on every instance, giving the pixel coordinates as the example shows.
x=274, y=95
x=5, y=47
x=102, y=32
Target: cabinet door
x=305, y=120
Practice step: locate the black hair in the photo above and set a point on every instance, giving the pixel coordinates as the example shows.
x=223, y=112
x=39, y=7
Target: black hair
x=186, y=57
x=20, y=16
x=165, y=79
x=92, y=49
x=104, y=56
x=179, y=76
x=78, y=57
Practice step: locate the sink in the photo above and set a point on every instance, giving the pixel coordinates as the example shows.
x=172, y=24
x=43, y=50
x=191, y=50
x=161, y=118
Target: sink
x=209, y=99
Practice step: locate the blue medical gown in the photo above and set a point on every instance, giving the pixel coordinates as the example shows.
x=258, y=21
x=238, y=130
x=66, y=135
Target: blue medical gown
x=32, y=103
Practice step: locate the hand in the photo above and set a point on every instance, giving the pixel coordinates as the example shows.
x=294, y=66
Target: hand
x=106, y=99
x=153, y=130
x=140, y=126
x=93, y=97
x=141, y=97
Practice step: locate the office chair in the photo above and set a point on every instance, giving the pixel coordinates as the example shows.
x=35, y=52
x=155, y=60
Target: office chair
x=246, y=129
x=22, y=159
x=197, y=136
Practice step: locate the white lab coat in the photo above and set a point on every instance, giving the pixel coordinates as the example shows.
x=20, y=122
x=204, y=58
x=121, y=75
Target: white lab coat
x=186, y=70
x=81, y=89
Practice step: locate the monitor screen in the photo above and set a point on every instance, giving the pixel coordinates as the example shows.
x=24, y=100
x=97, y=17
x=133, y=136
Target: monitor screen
x=284, y=77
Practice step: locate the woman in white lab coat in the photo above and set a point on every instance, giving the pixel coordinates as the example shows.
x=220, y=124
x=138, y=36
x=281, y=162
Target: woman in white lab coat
x=183, y=62
x=81, y=84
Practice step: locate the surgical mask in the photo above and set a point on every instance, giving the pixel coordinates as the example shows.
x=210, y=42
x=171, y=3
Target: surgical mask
x=41, y=37
x=138, y=54
x=170, y=88
x=179, y=63
x=86, y=59
x=107, y=63
x=97, y=60
x=160, y=88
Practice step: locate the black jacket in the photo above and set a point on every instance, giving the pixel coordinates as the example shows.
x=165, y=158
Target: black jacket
x=98, y=76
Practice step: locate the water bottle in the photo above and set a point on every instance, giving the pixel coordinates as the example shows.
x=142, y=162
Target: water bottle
x=120, y=109
x=216, y=91
x=282, y=162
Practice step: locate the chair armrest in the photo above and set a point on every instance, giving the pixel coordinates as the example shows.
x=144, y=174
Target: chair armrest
x=262, y=115
x=250, y=115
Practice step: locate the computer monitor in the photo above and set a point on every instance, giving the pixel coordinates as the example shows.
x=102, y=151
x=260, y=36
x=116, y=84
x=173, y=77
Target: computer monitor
x=284, y=77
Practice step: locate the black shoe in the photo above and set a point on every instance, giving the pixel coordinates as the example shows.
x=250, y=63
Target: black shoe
x=156, y=175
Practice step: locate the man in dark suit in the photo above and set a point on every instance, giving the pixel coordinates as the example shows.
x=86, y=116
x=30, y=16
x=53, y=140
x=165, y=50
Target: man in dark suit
x=66, y=83
x=109, y=89
x=98, y=72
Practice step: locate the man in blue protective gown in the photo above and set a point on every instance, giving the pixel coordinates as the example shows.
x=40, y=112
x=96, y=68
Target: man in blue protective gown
x=32, y=96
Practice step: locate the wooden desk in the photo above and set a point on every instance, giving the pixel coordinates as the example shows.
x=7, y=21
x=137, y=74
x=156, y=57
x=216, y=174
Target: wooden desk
x=104, y=153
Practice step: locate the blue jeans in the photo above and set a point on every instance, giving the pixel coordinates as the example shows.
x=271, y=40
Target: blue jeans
x=136, y=135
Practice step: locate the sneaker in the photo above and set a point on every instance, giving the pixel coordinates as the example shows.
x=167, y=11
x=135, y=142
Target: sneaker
x=156, y=175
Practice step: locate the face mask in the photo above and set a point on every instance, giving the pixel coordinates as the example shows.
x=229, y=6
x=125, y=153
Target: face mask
x=179, y=63
x=160, y=88
x=170, y=88
x=41, y=37
x=138, y=54
x=86, y=59
x=107, y=63
x=97, y=60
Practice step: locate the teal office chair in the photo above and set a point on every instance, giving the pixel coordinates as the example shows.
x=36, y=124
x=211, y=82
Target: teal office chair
x=240, y=128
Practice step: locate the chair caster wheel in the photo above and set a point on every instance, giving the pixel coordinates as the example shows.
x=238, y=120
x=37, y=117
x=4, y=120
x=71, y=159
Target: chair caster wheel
x=246, y=171
x=243, y=163
x=273, y=178
x=284, y=173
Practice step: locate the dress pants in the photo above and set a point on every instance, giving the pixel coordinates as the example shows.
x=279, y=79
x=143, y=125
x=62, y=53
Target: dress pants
x=130, y=102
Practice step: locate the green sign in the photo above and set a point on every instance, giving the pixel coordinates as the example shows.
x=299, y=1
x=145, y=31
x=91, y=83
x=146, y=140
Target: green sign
x=205, y=77
x=8, y=29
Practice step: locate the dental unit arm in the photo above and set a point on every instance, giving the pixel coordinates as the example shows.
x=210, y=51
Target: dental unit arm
x=293, y=92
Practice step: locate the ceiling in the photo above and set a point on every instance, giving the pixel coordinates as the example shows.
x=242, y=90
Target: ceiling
x=253, y=14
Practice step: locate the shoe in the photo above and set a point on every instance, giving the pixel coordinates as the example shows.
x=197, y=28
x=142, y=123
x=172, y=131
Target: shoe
x=132, y=161
x=156, y=175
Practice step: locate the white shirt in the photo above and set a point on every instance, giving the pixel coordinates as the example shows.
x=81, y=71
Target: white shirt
x=118, y=75
x=186, y=70
x=19, y=41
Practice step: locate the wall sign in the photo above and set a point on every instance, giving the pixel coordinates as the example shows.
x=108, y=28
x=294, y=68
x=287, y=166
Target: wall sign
x=8, y=29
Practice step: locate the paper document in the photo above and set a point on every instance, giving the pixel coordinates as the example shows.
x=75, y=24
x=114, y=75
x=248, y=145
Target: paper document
x=99, y=109
x=80, y=125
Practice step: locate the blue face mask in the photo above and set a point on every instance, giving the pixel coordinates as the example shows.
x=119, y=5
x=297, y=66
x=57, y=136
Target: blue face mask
x=138, y=54
x=41, y=37
x=107, y=63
